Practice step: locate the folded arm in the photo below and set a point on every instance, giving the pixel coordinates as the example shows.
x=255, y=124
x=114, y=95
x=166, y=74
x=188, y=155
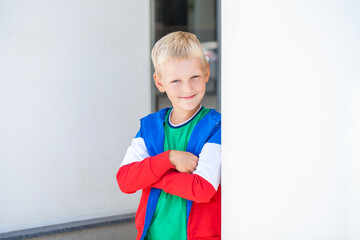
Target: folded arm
x=189, y=186
x=202, y=184
x=139, y=170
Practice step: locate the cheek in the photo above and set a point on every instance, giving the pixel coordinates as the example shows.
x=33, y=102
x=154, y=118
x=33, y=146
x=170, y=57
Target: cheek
x=201, y=86
x=173, y=91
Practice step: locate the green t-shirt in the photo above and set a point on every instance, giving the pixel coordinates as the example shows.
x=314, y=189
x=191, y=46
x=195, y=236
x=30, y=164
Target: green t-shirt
x=169, y=221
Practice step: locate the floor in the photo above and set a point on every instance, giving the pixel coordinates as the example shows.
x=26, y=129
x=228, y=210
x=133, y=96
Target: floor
x=121, y=231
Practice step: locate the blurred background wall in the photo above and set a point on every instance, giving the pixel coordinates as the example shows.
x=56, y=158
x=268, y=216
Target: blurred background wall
x=291, y=119
x=73, y=84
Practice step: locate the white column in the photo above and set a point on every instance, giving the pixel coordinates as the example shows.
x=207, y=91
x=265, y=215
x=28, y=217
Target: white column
x=291, y=119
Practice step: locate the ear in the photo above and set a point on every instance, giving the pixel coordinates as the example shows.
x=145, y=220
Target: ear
x=207, y=72
x=158, y=82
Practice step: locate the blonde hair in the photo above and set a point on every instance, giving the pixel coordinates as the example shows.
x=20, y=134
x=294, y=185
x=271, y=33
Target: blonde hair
x=176, y=46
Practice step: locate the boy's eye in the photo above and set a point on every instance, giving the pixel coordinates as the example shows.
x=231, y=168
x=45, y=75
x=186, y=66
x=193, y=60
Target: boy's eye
x=175, y=81
x=195, y=76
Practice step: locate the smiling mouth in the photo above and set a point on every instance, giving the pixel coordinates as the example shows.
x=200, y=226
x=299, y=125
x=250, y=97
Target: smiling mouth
x=190, y=97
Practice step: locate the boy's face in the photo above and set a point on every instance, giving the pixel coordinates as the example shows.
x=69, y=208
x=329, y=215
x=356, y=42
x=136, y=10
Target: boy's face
x=184, y=82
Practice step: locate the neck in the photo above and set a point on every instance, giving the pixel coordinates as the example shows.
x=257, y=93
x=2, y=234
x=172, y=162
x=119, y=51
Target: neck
x=178, y=116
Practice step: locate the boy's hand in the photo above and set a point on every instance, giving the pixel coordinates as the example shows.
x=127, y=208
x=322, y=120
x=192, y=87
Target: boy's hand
x=184, y=162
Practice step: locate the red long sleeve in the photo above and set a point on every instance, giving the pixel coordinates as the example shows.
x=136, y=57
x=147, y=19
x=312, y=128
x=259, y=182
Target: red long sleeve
x=139, y=175
x=189, y=186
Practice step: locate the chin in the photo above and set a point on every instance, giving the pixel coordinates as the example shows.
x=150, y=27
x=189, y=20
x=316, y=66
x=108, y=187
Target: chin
x=191, y=107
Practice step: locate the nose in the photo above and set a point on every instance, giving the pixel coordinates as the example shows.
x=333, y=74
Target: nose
x=187, y=87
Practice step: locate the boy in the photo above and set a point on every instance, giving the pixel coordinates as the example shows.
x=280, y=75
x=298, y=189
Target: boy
x=175, y=156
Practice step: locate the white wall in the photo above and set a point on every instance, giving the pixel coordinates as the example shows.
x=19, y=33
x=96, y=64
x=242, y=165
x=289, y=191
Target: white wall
x=74, y=80
x=291, y=119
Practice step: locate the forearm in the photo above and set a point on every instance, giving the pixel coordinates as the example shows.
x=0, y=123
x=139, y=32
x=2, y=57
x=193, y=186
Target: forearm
x=189, y=186
x=139, y=175
x=202, y=184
